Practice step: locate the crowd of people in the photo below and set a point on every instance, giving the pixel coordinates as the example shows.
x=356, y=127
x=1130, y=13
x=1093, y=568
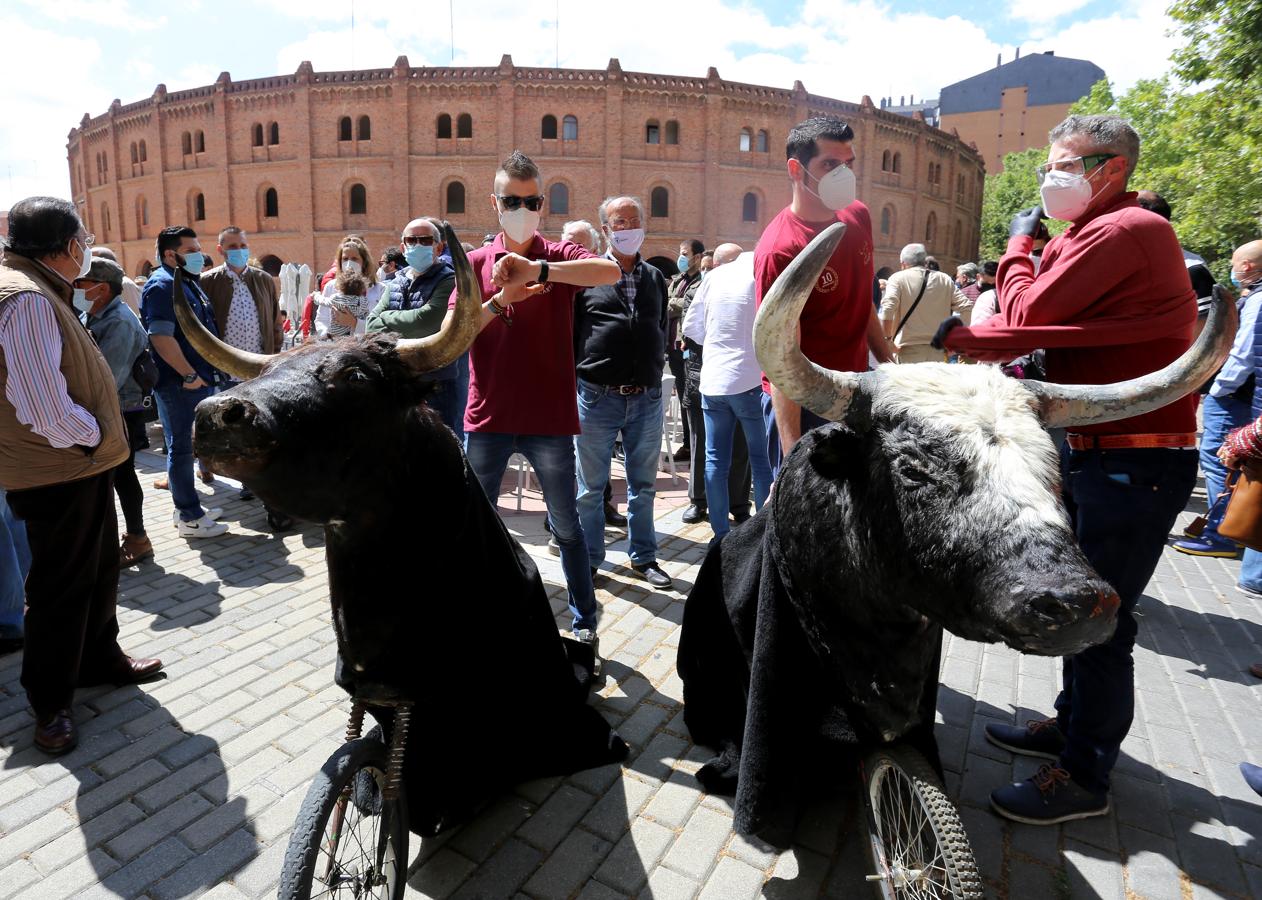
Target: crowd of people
x=575, y=337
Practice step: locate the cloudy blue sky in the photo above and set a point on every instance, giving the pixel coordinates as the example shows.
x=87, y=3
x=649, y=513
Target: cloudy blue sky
x=75, y=56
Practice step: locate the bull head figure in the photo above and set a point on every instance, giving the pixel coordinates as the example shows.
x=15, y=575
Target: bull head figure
x=943, y=478
x=323, y=414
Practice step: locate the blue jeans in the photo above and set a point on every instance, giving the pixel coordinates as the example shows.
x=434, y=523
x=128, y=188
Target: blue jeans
x=462, y=394
x=175, y=409
x=774, y=456
x=444, y=400
x=1220, y=415
x=722, y=411
x=15, y=562
x=552, y=457
x=1122, y=527
x=602, y=415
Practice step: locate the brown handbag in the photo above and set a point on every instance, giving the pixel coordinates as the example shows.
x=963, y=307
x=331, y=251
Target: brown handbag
x=1242, y=522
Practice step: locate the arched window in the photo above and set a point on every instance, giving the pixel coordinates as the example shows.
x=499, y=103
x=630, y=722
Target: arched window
x=444, y=126
x=359, y=200
x=199, y=208
x=559, y=200
x=144, y=153
x=569, y=128
x=898, y=162
x=959, y=188
x=142, y=215
x=887, y=220
x=135, y=153
x=464, y=126
x=659, y=203
x=273, y=136
x=257, y=139
x=186, y=143
x=105, y=219
x=747, y=140
x=271, y=204
x=364, y=132
x=652, y=132
x=885, y=161
x=548, y=130
x=672, y=132
x=762, y=141
x=455, y=198
x=344, y=129
x=749, y=207
x=931, y=229
x=201, y=142
x=959, y=228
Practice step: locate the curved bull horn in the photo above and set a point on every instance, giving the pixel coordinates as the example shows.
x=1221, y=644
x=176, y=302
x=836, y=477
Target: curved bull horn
x=454, y=338
x=1076, y=405
x=240, y=364
x=823, y=391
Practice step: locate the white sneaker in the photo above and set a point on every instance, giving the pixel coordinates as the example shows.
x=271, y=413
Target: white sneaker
x=210, y=512
x=203, y=527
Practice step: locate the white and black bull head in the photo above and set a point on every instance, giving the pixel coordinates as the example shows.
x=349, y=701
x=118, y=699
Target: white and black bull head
x=939, y=487
x=311, y=429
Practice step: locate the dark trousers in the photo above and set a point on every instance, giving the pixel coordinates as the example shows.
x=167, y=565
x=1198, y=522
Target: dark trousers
x=739, y=481
x=774, y=456
x=675, y=359
x=71, y=621
x=1122, y=504
x=130, y=495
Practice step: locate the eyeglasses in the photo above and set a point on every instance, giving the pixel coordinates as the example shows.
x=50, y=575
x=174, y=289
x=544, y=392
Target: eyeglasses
x=89, y=239
x=1074, y=165
x=512, y=202
x=423, y=240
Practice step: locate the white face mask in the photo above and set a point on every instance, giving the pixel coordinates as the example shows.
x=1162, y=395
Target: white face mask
x=81, y=301
x=837, y=189
x=1066, y=195
x=628, y=241
x=520, y=224
x=352, y=265
x=86, y=263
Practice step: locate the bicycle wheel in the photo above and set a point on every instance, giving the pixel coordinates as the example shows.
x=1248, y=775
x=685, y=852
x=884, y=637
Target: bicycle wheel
x=916, y=841
x=348, y=843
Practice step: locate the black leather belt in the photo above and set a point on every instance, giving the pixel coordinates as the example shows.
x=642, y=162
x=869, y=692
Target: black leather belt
x=626, y=390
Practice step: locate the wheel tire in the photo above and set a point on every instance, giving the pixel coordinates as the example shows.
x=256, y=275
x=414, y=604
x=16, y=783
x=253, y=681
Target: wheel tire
x=348, y=768
x=901, y=773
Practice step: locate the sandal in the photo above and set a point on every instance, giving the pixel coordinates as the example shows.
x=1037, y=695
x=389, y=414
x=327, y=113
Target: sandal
x=135, y=548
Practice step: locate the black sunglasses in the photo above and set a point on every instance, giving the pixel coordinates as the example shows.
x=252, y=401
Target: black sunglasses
x=511, y=202
x=424, y=240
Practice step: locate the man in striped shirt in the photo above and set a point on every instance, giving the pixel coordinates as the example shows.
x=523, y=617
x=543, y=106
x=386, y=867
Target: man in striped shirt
x=61, y=436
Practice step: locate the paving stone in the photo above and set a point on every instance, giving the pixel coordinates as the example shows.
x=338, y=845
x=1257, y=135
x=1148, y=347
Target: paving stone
x=569, y=866
x=703, y=836
x=441, y=874
x=550, y=823
x=479, y=838
x=628, y=864
x=674, y=801
x=610, y=815
x=147, y=868
x=502, y=873
x=732, y=880
x=667, y=885
x=1089, y=875
x=207, y=869
x=139, y=838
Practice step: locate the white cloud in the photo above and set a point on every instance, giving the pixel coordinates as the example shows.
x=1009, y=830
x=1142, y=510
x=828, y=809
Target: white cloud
x=1042, y=11
x=1142, y=30
x=109, y=13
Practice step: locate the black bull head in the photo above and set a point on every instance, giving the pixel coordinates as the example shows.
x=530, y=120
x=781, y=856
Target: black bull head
x=939, y=487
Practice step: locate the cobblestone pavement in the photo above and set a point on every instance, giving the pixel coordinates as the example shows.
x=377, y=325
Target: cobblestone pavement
x=190, y=785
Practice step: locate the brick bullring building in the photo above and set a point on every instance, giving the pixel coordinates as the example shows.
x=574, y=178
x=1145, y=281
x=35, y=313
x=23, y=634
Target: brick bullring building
x=300, y=160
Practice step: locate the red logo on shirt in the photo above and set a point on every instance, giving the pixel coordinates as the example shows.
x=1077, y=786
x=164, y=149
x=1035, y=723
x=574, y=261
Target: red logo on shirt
x=827, y=281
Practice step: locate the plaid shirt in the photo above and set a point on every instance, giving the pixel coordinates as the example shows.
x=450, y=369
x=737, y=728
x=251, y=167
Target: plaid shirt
x=627, y=280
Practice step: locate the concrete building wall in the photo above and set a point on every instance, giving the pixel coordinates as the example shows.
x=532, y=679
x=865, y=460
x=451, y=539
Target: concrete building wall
x=636, y=133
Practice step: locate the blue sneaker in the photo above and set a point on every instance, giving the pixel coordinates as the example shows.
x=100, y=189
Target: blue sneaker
x=1048, y=797
x=1208, y=544
x=1252, y=776
x=1041, y=738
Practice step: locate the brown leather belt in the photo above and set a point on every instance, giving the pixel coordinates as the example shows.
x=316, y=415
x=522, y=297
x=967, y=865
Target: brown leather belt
x=1130, y=441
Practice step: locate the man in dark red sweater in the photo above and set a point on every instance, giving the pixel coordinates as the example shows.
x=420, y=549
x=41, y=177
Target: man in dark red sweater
x=1111, y=300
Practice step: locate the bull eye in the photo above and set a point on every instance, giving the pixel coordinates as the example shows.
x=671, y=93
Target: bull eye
x=352, y=375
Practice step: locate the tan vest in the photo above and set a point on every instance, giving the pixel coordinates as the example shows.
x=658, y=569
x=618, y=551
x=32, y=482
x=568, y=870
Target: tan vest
x=27, y=460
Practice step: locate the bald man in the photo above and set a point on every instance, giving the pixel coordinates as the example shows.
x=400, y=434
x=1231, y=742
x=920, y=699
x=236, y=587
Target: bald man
x=413, y=306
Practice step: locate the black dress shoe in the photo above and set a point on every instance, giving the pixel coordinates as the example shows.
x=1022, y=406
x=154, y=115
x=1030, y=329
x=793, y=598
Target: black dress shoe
x=694, y=514
x=683, y=454
x=55, y=733
x=653, y=574
x=613, y=517
x=741, y=515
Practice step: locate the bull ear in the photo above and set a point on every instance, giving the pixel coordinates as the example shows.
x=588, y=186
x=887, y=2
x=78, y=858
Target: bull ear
x=834, y=452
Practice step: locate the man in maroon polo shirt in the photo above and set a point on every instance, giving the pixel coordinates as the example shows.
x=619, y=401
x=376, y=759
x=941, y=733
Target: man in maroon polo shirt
x=1111, y=300
x=522, y=394
x=839, y=324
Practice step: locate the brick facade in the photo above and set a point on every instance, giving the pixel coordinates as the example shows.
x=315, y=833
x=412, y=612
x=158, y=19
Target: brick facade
x=300, y=160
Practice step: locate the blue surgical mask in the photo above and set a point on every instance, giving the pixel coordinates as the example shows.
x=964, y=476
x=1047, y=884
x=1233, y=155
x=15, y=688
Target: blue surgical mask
x=81, y=301
x=682, y=263
x=419, y=257
x=194, y=263
x=239, y=259
x=1235, y=282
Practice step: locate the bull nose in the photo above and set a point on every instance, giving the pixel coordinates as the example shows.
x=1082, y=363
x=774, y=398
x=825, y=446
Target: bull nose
x=1060, y=607
x=229, y=411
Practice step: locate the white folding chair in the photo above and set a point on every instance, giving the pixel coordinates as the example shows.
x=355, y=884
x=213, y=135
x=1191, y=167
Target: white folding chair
x=524, y=475
x=669, y=423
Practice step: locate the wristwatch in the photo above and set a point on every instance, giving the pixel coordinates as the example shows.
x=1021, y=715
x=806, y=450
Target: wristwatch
x=543, y=272
x=190, y=378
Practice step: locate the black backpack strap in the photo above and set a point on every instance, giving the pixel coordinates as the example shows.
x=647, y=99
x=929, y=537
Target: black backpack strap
x=924, y=284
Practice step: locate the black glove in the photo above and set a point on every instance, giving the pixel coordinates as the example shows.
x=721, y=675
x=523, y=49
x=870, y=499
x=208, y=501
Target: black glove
x=939, y=337
x=1026, y=223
